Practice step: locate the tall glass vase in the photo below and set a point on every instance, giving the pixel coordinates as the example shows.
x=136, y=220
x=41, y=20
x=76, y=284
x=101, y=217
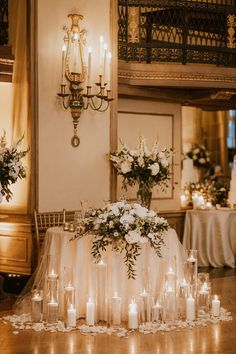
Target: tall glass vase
x=144, y=195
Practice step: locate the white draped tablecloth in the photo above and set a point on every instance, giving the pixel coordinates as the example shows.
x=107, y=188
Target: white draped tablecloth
x=213, y=234
x=77, y=254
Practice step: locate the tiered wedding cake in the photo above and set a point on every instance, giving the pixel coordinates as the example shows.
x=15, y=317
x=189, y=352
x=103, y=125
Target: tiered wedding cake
x=188, y=174
x=232, y=190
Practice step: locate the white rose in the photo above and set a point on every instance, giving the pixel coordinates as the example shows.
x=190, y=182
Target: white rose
x=194, y=157
x=125, y=167
x=132, y=237
x=202, y=160
x=155, y=168
x=140, y=211
x=196, y=151
x=127, y=219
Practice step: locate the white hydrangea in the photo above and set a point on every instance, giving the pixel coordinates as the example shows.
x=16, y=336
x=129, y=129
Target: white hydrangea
x=133, y=236
x=155, y=168
x=125, y=167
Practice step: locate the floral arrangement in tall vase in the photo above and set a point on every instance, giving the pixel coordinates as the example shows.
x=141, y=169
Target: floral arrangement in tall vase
x=11, y=167
x=144, y=167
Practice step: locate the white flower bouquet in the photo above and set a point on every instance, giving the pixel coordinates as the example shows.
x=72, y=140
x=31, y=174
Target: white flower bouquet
x=11, y=167
x=142, y=165
x=125, y=227
x=200, y=156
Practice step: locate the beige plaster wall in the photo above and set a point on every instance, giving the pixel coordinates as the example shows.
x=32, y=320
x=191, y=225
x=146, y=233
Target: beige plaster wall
x=66, y=174
x=154, y=120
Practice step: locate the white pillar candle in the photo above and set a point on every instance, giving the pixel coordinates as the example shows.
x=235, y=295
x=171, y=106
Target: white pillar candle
x=71, y=317
x=133, y=316
x=90, y=311
x=190, y=309
x=215, y=306
x=116, y=309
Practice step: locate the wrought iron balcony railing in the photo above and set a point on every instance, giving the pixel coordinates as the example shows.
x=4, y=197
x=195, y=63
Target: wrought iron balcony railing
x=185, y=31
x=3, y=22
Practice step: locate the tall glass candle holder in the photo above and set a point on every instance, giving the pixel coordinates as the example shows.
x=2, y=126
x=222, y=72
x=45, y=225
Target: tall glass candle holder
x=204, y=299
x=36, y=305
x=101, y=291
x=52, y=311
x=170, y=305
x=52, y=266
x=145, y=306
x=90, y=312
x=191, y=265
x=183, y=289
x=157, y=309
x=202, y=278
x=116, y=310
x=133, y=315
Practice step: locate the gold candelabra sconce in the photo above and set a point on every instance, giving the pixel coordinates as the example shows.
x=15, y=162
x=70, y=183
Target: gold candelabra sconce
x=76, y=71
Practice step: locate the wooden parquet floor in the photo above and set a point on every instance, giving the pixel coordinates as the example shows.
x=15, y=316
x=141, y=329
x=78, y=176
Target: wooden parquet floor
x=219, y=338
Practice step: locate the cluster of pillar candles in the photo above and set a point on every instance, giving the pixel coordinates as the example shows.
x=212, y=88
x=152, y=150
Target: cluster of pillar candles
x=180, y=299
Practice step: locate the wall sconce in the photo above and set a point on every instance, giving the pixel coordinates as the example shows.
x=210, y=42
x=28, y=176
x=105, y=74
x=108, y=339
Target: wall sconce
x=76, y=71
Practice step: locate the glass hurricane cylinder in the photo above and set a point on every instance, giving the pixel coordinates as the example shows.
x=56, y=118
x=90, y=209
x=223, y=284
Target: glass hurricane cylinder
x=203, y=297
x=182, y=298
x=36, y=306
x=144, y=307
x=52, y=311
x=157, y=309
x=90, y=312
x=191, y=265
x=132, y=315
x=101, y=289
x=115, y=310
x=170, y=305
x=144, y=195
x=52, y=266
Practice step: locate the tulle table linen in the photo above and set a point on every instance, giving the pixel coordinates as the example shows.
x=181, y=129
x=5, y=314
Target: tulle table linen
x=150, y=269
x=213, y=234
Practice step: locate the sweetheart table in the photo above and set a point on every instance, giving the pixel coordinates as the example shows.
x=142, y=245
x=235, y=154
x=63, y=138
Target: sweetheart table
x=212, y=233
x=76, y=254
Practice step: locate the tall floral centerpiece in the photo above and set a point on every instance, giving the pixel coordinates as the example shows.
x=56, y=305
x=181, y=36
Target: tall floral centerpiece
x=145, y=167
x=125, y=227
x=201, y=160
x=11, y=167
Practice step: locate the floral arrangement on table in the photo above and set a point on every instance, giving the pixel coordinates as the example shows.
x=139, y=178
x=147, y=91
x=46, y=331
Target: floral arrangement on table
x=125, y=227
x=200, y=156
x=145, y=167
x=215, y=191
x=11, y=167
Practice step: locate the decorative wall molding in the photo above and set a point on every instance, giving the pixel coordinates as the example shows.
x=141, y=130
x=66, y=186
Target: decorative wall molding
x=175, y=76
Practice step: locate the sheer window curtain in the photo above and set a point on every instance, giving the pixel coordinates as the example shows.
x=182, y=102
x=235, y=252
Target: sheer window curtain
x=20, y=120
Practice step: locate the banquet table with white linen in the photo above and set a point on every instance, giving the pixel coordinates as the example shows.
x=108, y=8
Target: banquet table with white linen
x=77, y=254
x=213, y=234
